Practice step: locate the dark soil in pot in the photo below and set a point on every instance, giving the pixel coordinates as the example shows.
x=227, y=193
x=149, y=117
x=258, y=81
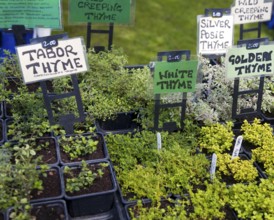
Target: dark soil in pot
x=99, y=153
x=46, y=212
x=99, y=185
x=51, y=186
x=49, y=154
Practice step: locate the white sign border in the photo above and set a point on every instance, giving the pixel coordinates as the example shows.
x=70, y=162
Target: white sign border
x=83, y=56
x=213, y=52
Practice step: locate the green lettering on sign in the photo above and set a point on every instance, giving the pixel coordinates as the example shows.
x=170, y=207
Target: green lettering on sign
x=170, y=77
x=243, y=62
x=31, y=13
x=100, y=11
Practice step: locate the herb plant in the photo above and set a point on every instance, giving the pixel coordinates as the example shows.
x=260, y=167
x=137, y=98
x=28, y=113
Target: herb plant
x=242, y=170
x=216, y=138
x=78, y=145
x=108, y=87
x=161, y=210
x=253, y=201
x=84, y=179
x=210, y=202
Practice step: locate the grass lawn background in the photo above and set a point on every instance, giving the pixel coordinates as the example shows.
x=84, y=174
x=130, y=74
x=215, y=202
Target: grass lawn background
x=159, y=25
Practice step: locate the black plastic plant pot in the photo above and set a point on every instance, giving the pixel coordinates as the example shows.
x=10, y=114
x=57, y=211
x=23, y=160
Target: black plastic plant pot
x=7, y=110
x=117, y=212
x=2, y=215
x=122, y=124
x=100, y=154
x=92, y=201
x=1, y=109
x=2, y=131
x=268, y=118
x=49, y=154
x=13, y=137
x=124, y=200
x=147, y=203
x=250, y=118
x=52, y=186
x=45, y=147
x=54, y=209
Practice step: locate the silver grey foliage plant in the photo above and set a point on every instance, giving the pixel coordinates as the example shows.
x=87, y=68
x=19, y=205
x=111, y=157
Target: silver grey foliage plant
x=212, y=101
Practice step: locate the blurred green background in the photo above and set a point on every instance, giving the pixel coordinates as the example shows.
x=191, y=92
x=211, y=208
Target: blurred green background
x=159, y=25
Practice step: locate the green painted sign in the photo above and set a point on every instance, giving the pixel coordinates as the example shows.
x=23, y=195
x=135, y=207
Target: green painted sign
x=100, y=11
x=170, y=77
x=31, y=13
x=243, y=62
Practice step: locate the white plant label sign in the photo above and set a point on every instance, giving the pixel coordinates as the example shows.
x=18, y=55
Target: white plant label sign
x=237, y=147
x=39, y=62
x=251, y=11
x=215, y=34
x=159, y=141
x=213, y=166
x=244, y=62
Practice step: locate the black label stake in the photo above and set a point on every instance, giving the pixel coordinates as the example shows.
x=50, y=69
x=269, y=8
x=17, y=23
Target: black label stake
x=67, y=121
x=248, y=112
x=100, y=31
x=171, y=56
x=257, y=29
x=19, y=31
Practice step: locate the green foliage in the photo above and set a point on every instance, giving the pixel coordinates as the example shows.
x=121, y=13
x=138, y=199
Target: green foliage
x=264, y=155
x=209, y=203
x=142, y=182
x=256, y=132
x=166, y=115
x=181, y=170
x=78, y=145
x=253, y=201
x=240, y=170
x=23, y=103
x=10, y=70
x=84, y=179
x=142, y=170
x=268, y=96
x=108, y=88
x=216, y=138
x=34, y=127
x=204, y=105
x=261, y=135
x=18, y=180
x=33, y=144
x=126, y=150
x=162, y=210
x=214, y=89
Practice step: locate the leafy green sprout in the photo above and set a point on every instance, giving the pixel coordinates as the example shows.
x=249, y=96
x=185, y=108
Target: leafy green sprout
x=84, y=179
x=79, y=145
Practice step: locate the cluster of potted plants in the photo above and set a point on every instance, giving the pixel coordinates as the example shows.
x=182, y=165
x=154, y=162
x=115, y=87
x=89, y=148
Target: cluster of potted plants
x=44, y=169
x=117, y=169
x=176, y=182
